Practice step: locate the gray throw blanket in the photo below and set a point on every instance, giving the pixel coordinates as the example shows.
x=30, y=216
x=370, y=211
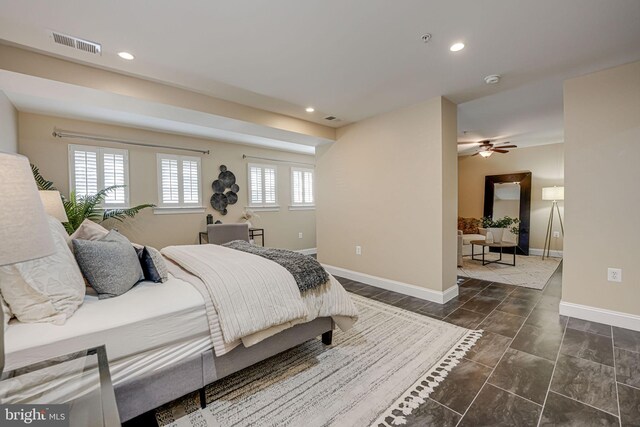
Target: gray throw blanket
x=307, y=272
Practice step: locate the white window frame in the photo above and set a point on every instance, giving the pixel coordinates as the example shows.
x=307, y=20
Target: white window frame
x=262, y=206
x=303, y=206
x=100, y=151
x=180, y=206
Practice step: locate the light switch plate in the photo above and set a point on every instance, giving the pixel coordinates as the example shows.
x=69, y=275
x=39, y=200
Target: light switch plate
x=358, y=250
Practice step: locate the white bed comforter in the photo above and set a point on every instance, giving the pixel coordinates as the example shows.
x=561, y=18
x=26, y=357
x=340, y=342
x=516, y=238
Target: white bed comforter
x=251, y=298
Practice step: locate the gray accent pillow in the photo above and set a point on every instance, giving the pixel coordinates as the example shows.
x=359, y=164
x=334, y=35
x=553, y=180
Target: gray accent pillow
x=110, y=264
x=159, y=263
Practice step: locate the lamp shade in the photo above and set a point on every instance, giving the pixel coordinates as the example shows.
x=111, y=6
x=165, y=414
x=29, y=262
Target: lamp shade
x=553, y=193
x=24, y=232
x=52, y=202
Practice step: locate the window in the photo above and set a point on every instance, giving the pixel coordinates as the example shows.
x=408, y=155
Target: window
x=179, y=182
x=94, y=168
x=302, y=187
x=263, y=186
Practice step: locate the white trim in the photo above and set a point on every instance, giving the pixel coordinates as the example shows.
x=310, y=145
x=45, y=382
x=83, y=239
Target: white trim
x=553, y=254
x=163, y=210
x=274, y=208
x=309, y=251
x=395, y=286
x=302, y=208
x=600, y=315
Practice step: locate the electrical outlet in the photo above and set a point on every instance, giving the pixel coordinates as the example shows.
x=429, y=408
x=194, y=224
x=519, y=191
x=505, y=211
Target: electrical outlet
x=614, y=274
x=556, y=234
x=299, y=235
x=358, y=250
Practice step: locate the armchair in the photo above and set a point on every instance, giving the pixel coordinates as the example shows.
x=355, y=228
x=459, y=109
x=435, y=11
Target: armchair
x=224, y=233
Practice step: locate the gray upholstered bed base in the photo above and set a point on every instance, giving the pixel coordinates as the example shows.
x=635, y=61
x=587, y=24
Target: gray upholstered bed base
x=150, y=391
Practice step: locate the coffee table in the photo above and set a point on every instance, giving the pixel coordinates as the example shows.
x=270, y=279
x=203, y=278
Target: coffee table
x=72, y=390
x=500, y=245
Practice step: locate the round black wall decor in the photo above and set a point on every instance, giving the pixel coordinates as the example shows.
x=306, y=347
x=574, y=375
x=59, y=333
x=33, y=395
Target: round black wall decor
x=226, y=180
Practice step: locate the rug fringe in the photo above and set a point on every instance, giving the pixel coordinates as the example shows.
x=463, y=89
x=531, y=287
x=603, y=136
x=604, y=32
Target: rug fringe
x=421, y=389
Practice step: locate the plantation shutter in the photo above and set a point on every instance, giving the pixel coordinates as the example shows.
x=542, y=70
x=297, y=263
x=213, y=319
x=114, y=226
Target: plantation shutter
x=114, y=174
x=92, y=169
x=190, y=185
x=297, y=187
x=85, y=172
x=178, y=181
x=262, y=186
x=169, y=181
x=308, y=187
x=269, y=186
x=302, y=187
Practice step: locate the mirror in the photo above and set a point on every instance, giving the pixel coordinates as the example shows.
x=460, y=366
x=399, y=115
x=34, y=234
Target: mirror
x=510, y=195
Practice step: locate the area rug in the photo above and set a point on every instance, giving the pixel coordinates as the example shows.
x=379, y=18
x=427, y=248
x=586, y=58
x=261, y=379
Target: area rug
x=374, y=374
x=529, y=271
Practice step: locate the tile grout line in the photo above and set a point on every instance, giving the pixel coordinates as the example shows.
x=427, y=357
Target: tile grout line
x=444, y=406
x=615, y=377
x=583, y=403
x=499, y=360
x=515, y=394
x=553, y=372
x=627, y=385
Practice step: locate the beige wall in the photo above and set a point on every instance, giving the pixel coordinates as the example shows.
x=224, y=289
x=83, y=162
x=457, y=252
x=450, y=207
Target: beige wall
x=281, y=228
x=388, y=184
x=8, y=125
x=602, y=139
x=546, y=164
x=39, y=65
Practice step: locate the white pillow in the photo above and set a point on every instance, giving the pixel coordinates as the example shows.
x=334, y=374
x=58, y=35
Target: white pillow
x=48, y=289
x=88, y=230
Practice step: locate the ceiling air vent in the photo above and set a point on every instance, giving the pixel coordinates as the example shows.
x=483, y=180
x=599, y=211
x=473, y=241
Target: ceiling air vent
x=77, y=43
x=332, y=118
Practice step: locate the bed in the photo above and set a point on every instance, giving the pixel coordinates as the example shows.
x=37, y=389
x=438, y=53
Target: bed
x=160, y=340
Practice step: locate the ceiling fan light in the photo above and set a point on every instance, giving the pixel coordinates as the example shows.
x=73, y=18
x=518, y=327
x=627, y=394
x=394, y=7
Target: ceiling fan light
x=485, y=153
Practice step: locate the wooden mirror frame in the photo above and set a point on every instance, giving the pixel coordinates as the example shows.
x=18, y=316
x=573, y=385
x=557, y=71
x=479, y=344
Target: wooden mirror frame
x=524, y=178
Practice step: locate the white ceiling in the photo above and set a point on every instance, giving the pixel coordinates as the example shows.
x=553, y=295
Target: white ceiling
x=355, y=58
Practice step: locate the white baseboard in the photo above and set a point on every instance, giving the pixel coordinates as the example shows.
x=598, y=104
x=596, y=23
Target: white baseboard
x=395, y=286
x=600, y=315
x=309, y=251
x=553, y=254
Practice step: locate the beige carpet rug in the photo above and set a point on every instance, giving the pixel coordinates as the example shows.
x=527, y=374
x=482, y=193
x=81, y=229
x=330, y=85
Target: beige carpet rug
x=374, y=374
x=530, y=271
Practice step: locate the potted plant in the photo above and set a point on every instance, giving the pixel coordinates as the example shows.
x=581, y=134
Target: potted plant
x=88, y=207
x=497, y=226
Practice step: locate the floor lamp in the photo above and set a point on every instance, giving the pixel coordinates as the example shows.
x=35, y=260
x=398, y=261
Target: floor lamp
x=554, y=194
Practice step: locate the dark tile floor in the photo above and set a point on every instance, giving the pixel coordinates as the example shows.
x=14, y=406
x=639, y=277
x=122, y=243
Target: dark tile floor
x=532, y=367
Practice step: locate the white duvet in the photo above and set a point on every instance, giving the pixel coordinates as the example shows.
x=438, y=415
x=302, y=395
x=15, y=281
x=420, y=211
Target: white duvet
x=250, y=298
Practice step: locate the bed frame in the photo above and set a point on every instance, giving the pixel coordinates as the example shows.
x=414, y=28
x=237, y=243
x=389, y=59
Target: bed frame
x=155, y=389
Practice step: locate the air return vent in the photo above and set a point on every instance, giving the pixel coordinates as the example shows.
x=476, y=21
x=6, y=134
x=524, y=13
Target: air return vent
x=77, y=43
x=332, y=118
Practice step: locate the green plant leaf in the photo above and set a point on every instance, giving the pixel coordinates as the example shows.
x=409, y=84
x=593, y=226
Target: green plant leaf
x=41, y=182
x=120, y=214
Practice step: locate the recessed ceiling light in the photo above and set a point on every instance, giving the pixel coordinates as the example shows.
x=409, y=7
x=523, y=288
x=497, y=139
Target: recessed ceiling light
x=310, y=109
x=126, y=55
x=456, y=47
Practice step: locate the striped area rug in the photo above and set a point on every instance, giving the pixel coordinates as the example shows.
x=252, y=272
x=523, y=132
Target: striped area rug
x=374, y=374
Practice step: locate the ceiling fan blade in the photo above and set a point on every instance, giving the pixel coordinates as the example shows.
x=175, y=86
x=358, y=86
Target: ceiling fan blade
x=497, y=150
x=475, y=154
x=507, y=146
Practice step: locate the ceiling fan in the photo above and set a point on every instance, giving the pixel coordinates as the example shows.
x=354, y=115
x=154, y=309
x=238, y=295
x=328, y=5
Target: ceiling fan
x=486, y=148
